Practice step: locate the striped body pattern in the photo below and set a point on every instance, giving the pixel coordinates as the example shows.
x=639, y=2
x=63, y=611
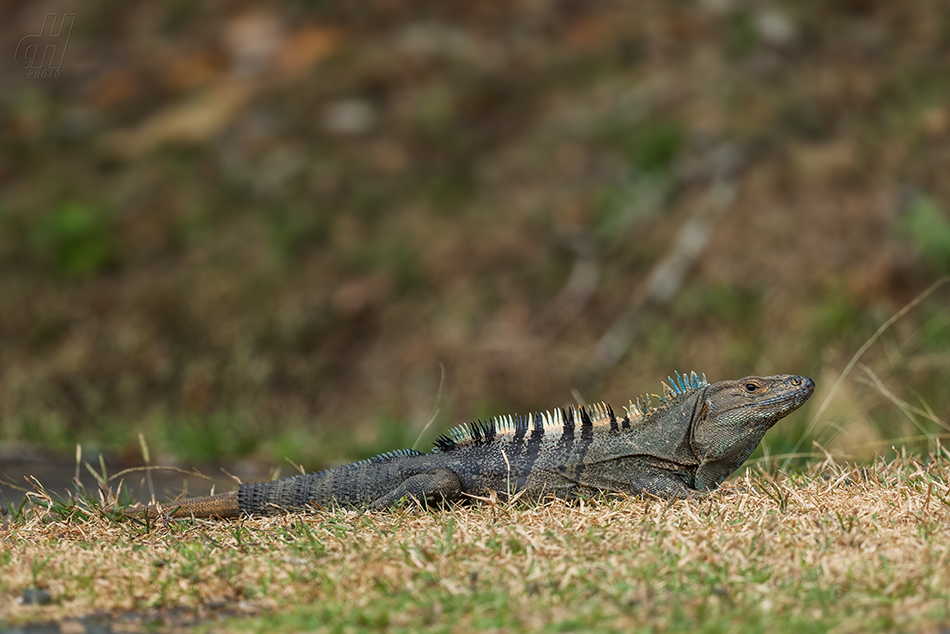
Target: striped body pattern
x=562, y=420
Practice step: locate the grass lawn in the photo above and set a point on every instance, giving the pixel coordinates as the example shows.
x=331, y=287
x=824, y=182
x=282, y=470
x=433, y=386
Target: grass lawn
x=844, y=548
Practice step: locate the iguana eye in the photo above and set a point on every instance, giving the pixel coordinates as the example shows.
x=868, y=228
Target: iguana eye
x=751, y=387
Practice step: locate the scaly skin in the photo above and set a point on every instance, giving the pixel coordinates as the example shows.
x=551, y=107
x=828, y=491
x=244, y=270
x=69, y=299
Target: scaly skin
x=223, y=505
x=683, y=447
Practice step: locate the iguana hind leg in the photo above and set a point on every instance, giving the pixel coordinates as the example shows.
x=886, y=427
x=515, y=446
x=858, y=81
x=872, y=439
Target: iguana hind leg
x=435, y=485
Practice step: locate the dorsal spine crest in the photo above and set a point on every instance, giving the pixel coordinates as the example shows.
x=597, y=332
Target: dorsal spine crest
x=480, y=431
x=674, y=388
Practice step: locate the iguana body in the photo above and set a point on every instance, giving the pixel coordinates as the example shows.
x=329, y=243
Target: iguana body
x=690, y=442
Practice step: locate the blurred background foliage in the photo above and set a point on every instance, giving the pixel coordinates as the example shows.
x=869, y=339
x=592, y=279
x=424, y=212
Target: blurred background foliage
x=255, y=231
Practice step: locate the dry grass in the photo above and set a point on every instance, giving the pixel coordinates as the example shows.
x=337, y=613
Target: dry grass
x=842, y=547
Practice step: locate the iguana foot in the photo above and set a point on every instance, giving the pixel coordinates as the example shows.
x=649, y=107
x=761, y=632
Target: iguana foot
x=433, y=486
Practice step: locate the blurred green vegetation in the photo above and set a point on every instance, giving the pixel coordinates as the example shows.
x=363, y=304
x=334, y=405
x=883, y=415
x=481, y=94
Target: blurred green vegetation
x=928, y=228
x=260, y=236
x=76, y=239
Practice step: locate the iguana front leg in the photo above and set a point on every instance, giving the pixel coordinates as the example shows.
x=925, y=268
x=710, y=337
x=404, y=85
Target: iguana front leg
x=663, y=484
x=432, y=486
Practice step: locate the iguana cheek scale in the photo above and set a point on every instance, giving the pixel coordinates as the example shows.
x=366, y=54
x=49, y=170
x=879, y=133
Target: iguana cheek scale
x=678, y=445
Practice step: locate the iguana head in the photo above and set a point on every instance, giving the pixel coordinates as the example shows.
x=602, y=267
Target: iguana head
x=734, y=417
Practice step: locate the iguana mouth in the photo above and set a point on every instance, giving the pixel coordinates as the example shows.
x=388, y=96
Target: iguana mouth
x=794, y=398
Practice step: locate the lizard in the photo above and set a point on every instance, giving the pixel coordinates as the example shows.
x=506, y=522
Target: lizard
x=678, y=445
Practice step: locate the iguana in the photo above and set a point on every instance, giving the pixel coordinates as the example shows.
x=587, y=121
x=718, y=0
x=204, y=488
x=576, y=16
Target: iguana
x=681, y=446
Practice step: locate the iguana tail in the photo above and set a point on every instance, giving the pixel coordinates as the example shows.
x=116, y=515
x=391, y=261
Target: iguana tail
x=279, y=496
x=375, y=483
x=222, y=505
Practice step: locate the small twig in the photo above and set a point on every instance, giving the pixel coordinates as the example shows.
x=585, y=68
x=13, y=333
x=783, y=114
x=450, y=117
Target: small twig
x=435, y=409
x=193, y=472
x=900, y=403
x=146, y=456
x=857, y=355
x=78, y=462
